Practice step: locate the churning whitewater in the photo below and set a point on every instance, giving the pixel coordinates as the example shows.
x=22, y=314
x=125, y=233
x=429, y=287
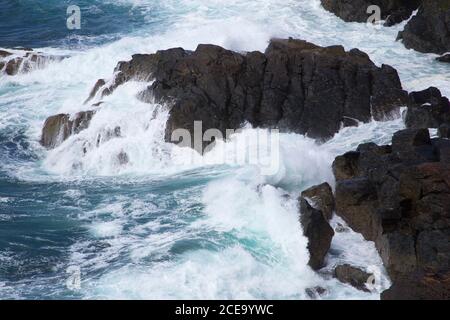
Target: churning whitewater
x=163, y=226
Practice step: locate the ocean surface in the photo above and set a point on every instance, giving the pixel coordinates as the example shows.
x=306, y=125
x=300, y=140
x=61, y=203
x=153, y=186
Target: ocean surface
x=83, y=226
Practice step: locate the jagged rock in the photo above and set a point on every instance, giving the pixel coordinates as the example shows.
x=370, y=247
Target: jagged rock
x=428, y=30
x=318, y=231
x=295, y=86
x=399, y=197
x=427, y=109
x=315, y=292
x=419, y=286
x=321, y=197
x=22, y=61
x=444, y=58
x=353, y=276
x=59, y=127
x=393, y=11
x=98, y=85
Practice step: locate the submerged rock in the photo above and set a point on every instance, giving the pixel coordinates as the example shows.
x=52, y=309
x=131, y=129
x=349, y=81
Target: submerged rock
x=399, y=197
x=22, y=61
x=427, y=109
x=444, y=58
x=393, y=11
x=316, y=292
x=59, y=127
x=353, y=276
x=295, y=86
x=428, y=30
x=321, y=197
x=318, y=231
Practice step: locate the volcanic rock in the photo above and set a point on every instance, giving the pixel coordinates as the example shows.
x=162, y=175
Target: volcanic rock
x=399, y=197
x=429, y=29
x=318, y=231
x=393, y=11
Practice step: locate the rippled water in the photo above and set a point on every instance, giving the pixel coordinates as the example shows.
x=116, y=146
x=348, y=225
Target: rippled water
x=160, y=227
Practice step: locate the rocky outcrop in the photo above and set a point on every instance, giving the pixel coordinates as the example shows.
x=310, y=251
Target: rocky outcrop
x=444, y=58
x=318, y=231
x=393, y=11
x=295, y=86
x=399, y=197
x=61, y=126
x=353, y=276
x=427, y=109
x=429, y=29
x=321, y=198
x=22, y=61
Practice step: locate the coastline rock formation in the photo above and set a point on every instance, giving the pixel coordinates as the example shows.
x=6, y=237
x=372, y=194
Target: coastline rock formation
x=24, y=60
x=393, y=11
x=318, y=231
x=294, y=86
x=321, y=198
x=399, y=197
x=61, y=126
x=353, y=276
x=427, y=109
x=429, y=29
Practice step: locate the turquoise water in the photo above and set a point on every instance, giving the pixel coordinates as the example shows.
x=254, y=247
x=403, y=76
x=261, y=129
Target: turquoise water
x=164, y=226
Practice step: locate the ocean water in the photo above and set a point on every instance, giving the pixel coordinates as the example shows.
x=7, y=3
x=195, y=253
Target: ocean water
x=164, y=226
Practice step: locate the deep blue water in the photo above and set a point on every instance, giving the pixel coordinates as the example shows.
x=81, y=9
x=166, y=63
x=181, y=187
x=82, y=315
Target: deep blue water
x=42, y=23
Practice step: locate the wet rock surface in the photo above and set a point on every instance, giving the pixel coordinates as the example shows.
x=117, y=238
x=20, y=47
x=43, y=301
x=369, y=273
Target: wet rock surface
x=60, y=127
x=321, y=197
x=399, y=197
x=427, y=109
x=295, y=86
x=23, y=61
x=353, y=276
x=318, y=231
x=429, y=29
x=393, y=11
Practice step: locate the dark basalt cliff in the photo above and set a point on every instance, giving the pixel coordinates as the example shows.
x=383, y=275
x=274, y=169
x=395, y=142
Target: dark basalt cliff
x=393, y=11
x=399, y=197
x=294, y=86
x=429, y=30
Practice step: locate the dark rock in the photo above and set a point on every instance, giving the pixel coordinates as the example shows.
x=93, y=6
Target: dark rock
x=428, y=30
x=321, y=197
x=345, y=166
x=295, y=86
x=4, y=53
x=445, y=58
x=318, y=232
x=393, y=11
x=427, y=109
x=399, y=197
x=419, y=286
x=25, y=62
x=353, y=276
x=98, y=85
x=316, y=292
x=59, y=127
